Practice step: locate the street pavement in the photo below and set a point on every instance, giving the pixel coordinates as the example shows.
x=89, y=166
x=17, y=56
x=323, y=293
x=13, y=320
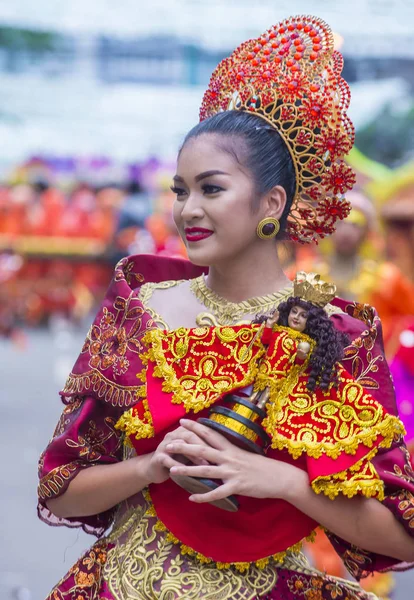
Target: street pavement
x=33, y=556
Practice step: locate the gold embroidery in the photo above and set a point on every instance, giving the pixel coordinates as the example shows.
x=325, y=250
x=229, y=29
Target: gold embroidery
x=240, y=566
x=51, y=484
x=203, y=380
x=319, y=584
x=107, y=344
x=408, y=473
x=361, y=477
x=200, y=365
x=230, y=313
x=131, y=424
x=125, y=270
x=64, y=420
x=90, y=446
x=405, y=500
x=343, y=418
x=116, y=394
x=145, y=564
x=361, y=368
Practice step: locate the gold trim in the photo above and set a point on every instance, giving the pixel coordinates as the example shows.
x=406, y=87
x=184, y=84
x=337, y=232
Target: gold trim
x=365, y=480
x=242, y=567
x=117, y=395
x=230, y=313
x=191, y=400
x=235, y=426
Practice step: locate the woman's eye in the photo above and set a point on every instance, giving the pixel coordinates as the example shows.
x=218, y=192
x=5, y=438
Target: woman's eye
x=211, y=189
x=178, y=191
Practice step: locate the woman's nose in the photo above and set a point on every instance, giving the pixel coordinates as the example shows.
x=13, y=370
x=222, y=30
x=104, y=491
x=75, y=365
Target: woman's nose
x=192, y=208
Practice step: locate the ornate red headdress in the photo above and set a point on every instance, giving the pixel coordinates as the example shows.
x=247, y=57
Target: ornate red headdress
x=291, y=77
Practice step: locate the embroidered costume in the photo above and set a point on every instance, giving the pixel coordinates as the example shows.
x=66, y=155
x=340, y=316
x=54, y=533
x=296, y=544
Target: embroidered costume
x=142, y=549
x=135, y=377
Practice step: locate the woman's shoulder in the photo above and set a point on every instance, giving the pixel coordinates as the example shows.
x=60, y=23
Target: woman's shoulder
x=141, y=269
x=354, y=316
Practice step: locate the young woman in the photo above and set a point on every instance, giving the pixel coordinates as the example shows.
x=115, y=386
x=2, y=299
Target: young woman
x=265, y=162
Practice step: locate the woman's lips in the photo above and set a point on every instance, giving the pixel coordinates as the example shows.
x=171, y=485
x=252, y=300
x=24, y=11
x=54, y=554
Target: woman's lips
x=195, y=234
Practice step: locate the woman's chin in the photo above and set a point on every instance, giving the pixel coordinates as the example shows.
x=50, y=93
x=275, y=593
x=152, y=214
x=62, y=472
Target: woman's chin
x=201, y=257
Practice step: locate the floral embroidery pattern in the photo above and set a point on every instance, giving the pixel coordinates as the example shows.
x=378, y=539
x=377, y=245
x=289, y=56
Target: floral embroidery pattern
x=92, y=445
x=85, y=445
x=324, y=588
x=86, y=575
x=405, y=505
x=65, y=416
x=107, y=343
x=361, y=371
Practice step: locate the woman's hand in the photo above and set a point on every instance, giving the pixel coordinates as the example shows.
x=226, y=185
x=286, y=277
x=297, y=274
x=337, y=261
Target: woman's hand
x=242, y=472
x=157, y=464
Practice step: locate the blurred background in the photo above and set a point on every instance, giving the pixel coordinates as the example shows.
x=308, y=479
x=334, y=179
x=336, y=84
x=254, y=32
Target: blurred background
x=95, y=98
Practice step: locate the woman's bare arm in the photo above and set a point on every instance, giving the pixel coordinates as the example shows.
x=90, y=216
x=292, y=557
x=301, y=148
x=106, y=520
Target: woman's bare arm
x=99, y=488
x=364, y=522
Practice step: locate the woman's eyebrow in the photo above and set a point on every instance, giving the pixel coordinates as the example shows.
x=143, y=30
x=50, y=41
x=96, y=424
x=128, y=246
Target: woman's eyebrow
x=201, y=176
x=209, y=174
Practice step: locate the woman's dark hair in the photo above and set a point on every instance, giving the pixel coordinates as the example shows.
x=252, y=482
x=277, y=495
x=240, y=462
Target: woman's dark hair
x=330, y=342
x=263, y=153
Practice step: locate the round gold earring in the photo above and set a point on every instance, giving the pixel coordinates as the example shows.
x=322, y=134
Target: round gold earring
x=268, y=228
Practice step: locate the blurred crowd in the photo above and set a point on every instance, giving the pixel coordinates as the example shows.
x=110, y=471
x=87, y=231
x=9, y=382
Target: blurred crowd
x=59, y=240
x=62, y=231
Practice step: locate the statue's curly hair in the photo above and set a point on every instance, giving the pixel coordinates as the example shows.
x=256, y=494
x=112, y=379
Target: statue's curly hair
x=330, y=342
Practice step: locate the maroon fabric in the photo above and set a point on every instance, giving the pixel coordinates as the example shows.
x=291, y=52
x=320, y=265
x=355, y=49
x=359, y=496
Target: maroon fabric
x=103, y=383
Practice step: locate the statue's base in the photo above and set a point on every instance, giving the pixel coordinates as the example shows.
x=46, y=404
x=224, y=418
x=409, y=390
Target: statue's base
x=198, y=485
x=239, y=420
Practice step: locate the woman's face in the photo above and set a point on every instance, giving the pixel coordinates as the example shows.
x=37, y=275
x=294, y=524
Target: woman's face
x=298, y=318
x=213, y=206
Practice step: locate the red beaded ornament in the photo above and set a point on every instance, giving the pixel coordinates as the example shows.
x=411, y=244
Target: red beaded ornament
x=291, y=78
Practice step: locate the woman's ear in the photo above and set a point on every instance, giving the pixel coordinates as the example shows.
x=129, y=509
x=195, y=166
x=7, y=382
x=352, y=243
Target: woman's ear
x=274, y=202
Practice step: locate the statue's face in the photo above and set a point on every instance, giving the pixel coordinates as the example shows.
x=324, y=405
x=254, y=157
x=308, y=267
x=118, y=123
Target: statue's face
x=213, y=206
x=298, y=318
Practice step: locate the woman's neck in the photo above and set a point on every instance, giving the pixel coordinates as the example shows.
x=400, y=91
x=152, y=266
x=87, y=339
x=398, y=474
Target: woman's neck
x=255, y=274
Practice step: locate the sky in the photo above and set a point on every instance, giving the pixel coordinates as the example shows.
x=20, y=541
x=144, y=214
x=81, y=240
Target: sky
x=217, y=23
x=122, y=120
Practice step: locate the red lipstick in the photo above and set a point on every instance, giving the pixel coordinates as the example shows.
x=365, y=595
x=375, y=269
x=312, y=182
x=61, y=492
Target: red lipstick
x=195, y=234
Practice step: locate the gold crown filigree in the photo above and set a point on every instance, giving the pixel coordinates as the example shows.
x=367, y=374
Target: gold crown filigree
x=291, y=78
x=311, y=288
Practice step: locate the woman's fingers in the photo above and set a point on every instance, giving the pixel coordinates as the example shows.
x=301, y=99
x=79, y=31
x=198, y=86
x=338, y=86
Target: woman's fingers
x=183, y=434
x=169, y=462
x=211, y=437
x=208, y=471
x=195, y=451
x=223, y=491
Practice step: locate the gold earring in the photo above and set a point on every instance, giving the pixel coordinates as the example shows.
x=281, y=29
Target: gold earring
x=268, y=228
